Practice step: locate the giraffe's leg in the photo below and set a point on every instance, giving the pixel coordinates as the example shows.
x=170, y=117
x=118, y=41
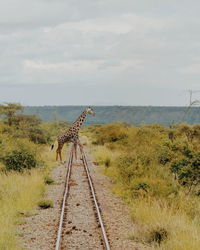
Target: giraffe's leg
x=81, y=148
x=60, y=156
x=75, y=150
x=58, y=152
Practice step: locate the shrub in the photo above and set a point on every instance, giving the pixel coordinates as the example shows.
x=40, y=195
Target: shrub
x=129, y=166
x=188, y=170
x=165, y=155
x=44, y=204
x=158, y=235
x=107, y=162
x=141, y=186
x=19, y=160
x=48, y=180
x=110, y=133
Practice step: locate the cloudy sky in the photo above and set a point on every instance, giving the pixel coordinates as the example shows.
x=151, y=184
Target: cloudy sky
x=99, y=52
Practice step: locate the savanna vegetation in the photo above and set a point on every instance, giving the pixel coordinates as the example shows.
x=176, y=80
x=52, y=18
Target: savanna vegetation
x=156, y=170
x=25, y=163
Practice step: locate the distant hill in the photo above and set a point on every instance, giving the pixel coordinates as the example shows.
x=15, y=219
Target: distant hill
x=131, y=114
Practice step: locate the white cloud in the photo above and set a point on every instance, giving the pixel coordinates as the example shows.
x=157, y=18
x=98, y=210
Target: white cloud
x=191, y=69
x=118, y=25
x=70, y=66
x=77, y=66
x=100, y=42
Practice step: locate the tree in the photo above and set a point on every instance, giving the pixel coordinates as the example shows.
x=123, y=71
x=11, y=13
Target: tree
x=9, y=110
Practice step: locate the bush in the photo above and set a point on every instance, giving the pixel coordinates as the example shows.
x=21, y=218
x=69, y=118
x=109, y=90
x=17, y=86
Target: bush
x=48, y=180
x=38, y=136
x=110, y=133
x=44, y=204
x=188, y=170
x=107, y=162
x=129, y=167
x=158, y=235
x=19, y=160
x=165, y=155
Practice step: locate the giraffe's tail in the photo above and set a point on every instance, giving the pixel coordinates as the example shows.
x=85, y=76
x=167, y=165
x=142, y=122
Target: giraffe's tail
x=52, y=146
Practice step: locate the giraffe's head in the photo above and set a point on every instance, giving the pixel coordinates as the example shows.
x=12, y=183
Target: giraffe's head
x=90, y=111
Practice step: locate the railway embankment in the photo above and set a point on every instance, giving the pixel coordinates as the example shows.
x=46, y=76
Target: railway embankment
x=81, y=228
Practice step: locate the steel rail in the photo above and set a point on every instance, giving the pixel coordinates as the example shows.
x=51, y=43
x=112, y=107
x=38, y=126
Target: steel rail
x=103, y=231
x=66, y=192
x=59, y=233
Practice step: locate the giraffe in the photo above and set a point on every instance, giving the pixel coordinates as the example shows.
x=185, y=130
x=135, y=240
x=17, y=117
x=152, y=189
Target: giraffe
x=71, y=135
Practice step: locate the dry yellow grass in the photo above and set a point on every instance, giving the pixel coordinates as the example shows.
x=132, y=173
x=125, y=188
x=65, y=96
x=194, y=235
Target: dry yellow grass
x=182, y=232
x=176, y=219
x=19, y=195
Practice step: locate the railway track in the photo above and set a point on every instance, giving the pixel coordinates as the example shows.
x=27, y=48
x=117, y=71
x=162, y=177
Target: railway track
x=89, y=231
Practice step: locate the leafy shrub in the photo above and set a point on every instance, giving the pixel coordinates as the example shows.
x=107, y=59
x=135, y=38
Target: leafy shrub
x=19, y=160
x=142, y=186
x=38, y=136
x=44, y=204
x=188, y=169
x=48, y=180
x=129, y=167
x=158, y=235
x=110, y=133
x=165, y=155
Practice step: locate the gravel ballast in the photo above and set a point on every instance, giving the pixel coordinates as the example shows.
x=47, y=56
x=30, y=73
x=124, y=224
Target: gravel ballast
x=81, y=228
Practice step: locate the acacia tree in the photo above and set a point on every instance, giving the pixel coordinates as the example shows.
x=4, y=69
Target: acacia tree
x=9, y=110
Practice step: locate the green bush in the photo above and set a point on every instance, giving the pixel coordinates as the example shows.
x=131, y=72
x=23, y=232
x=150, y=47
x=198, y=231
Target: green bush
x=111, y=133
x=188, y=169
x=165, y=155
x=19, y=160
x=38, y=136
x=48, y=180
x=129, y=167
x=44, y=204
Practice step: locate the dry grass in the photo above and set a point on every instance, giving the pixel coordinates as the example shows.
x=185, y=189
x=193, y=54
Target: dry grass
x=181, y=232
x=165, y=217
x=19, y=195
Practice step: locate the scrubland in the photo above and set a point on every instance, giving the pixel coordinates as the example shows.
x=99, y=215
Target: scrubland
x=25, y=164
x=156, y=170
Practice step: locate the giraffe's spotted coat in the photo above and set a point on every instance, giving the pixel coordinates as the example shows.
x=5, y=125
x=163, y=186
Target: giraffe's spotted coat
x=71, y=135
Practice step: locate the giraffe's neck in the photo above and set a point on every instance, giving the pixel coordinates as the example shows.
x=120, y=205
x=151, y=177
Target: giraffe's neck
x=78, y=123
